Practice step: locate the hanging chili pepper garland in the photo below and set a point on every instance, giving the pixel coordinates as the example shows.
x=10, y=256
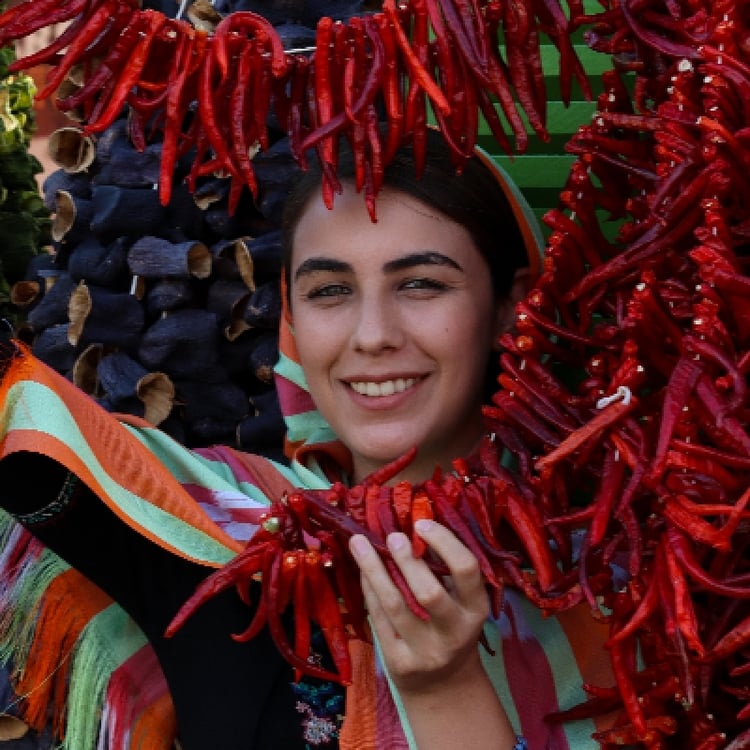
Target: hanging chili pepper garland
x=442, y=55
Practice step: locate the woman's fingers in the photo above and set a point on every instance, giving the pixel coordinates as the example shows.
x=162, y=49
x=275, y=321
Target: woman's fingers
x=465, y=575
x=466, y=589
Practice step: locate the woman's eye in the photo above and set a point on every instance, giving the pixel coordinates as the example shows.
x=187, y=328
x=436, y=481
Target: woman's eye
x=328, y=291
x=426, y=284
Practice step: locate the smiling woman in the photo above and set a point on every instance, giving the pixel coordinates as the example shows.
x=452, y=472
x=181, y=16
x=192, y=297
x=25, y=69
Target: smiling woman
x=386, y=343
x=381, y=312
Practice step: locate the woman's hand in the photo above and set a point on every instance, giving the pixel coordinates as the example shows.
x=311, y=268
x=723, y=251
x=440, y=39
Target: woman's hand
x=417, y=652
x=435, y=663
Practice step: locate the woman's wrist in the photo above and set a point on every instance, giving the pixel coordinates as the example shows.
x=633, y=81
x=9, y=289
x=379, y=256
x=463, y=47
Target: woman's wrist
x=461, y=710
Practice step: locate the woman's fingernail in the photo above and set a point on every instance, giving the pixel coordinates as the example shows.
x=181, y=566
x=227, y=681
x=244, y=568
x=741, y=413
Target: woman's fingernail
x=423, y=526
x=397, y=541
x=359, y=546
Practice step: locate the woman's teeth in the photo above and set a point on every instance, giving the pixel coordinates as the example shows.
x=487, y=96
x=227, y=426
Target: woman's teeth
x=386, y=388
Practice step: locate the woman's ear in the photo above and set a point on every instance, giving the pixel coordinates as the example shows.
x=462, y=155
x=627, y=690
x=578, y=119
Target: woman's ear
x=506, y=308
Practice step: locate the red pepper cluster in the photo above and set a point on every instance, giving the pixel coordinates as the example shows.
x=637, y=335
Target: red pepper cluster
x=209, y=95
x=654, y=314
x=301, y=552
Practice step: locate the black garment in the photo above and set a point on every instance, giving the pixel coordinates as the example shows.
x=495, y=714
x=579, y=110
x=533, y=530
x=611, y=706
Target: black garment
x=227, y=695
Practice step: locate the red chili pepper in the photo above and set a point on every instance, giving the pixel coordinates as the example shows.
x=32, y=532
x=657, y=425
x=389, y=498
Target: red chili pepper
x=259, y=28
x=47, y=55
x=25, y=18
x=686, y=556
x=421, y=509
x=590, y=430
x=95, y=25
x=447, y=514
x=391, y=87
x=338, y=520
x=323, y=90
x=402, y=504
x=240, y=112
x=325, y=608
x=209, y=85
x=242, y=568
x=336, y=558
x=676, y=586
x=150, y=23
x=417, y=70
x=528, y=528
x=684, y=515
x=391, y=470
x=297, y=103
x=191, y=44
x=270, y=583
x=374, y=166
x=622, y=656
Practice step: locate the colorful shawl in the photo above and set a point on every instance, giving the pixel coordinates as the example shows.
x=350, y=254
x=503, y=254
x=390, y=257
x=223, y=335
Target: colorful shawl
x=79, y=658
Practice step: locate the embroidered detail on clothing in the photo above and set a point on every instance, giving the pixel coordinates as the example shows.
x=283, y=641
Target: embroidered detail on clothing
x=53, y=509
x=322, y=705
x=320, y=702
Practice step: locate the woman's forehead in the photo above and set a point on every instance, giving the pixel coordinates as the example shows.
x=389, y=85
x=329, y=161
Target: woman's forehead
x=406, y=226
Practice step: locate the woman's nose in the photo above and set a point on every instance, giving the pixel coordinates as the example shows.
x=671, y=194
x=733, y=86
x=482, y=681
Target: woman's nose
x=377, y=326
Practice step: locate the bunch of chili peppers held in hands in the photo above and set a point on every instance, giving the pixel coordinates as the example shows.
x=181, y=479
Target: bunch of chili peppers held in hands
x=622, y=403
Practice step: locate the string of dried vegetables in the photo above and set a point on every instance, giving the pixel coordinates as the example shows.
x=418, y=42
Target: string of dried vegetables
x=411, y=58
x=659, y=312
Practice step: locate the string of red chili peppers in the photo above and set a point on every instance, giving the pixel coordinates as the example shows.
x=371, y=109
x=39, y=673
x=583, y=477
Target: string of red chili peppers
x=442, y=55
x=301, y=552
x=655, y=489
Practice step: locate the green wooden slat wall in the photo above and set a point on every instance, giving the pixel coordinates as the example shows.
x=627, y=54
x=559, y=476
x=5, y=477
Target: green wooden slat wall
x=542, y=170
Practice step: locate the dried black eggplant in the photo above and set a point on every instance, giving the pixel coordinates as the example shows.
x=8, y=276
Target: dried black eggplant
x=168, y=294
x=183, y=344
x=78, y=185
x=154, y=257
x=100, y=315
x=263, y=309
x=53, y=347
x=53, y=307
x=264, y=355
x=98, y=264
x=128, y=167
x=125, y=212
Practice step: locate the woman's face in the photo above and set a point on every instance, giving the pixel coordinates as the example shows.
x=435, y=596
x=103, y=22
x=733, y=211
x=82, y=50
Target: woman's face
x=394, y=322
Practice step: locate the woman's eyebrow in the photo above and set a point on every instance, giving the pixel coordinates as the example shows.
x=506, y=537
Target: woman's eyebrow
x=426, y=258
x=311, y=265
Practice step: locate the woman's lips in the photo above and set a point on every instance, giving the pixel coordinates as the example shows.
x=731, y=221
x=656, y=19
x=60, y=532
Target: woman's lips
x=382, y=388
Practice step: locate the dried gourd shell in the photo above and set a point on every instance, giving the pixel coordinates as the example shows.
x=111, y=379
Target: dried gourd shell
x=71, y=149
x=79, y=307
x=24, y=293
x=68, y=210
x=69, y=87
x=157, y=392
x=84, y=373
x=12, y=728
x=203, y=15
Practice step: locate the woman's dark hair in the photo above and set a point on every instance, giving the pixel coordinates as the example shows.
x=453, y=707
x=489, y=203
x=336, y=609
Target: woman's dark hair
x=472, y=198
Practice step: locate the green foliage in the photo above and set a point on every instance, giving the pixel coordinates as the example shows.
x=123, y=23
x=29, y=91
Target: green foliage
x=24, y=221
